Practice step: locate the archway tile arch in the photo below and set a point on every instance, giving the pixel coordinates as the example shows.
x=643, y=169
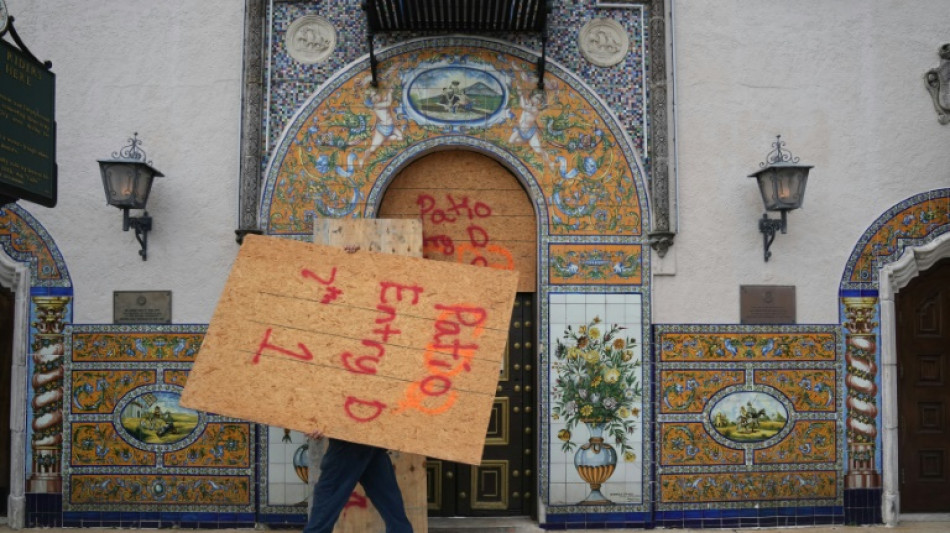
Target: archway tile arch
x=623, y=86
x=882, y=261
x=911, y=222
x=25, y=240
x=586, y=183
x=35, y=271
x=340, y=143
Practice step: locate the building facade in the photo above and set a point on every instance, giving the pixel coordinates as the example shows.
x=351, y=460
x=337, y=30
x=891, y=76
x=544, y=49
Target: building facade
x=651, y=379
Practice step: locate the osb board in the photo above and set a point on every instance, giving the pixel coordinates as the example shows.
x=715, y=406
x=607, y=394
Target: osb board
x=402, y=237
x=473, y=210
x=392, y=351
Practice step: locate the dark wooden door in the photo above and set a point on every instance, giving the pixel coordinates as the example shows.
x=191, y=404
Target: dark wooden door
x=6, y=359
x=503, y=484
x=924, y=391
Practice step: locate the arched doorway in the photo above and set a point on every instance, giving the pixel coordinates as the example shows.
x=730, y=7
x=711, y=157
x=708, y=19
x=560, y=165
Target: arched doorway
x=923, y=390
x=475, y=211
x=894, y=277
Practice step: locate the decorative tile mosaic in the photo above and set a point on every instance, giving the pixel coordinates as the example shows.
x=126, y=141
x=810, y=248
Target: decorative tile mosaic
x=25, y=240
x=622, y=86
x=592, y=264
x=335, y=146
x=284, y=471
x=749, y=417
x=130, y=445
x=343, y=140
x=913, y=222
x=345, y=144
x=598, y=453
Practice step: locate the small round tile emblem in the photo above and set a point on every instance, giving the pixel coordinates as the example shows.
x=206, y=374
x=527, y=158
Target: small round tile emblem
x=603, y=42
x=310, y=39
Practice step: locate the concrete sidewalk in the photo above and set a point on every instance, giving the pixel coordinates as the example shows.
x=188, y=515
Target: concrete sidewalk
x=518, y=525
x=906, y=527
x=524, y=525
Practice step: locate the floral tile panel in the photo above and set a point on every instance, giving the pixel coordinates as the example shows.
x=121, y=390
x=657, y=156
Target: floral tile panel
x=596, y=436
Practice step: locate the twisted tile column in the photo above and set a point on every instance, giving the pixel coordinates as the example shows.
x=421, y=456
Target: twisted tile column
x=860, y=354
x=48, y=349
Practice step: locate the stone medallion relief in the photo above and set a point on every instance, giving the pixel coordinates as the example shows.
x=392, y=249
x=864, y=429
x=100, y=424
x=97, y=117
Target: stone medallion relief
x=603, y=42
x=310, y=39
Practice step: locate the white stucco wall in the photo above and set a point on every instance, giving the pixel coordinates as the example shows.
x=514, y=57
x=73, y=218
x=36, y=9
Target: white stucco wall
x=842, y=82
x=171, y=71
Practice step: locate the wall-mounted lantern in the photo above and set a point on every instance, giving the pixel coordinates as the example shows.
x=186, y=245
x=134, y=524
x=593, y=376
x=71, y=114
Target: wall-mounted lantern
x=782, y=184
x=127, y=179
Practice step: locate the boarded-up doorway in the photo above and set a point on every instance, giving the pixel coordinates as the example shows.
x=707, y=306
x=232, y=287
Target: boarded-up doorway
x=923, y=396
x=474, y=211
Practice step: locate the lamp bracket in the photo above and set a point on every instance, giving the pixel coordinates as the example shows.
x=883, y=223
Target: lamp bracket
x=768, y=227
x=142, y=225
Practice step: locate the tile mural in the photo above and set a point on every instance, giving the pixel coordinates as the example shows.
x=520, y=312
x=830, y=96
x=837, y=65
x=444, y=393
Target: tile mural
x=597, y=450
x=130, y=445
x=346, y=139
x=749, y=417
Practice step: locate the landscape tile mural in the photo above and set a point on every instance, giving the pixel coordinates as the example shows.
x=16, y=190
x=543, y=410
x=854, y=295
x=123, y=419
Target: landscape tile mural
x=749, y=416
x=129, y=445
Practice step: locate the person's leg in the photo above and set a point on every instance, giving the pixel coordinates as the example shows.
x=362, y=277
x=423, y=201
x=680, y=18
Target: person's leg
x=379, y=482
x=341, y=467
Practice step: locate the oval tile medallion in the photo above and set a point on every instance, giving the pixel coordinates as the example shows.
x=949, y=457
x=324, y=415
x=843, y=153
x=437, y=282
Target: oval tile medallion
x=748, y=416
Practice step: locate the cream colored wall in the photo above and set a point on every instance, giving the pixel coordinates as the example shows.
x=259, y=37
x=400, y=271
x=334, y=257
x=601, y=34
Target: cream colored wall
x=843, y=83
x=171, y=71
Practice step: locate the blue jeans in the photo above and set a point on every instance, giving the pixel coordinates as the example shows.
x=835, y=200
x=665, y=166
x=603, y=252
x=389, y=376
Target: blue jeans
x=342, y=466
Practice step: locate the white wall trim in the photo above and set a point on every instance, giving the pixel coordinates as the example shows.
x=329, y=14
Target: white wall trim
x=893, y=277
x=16, y=277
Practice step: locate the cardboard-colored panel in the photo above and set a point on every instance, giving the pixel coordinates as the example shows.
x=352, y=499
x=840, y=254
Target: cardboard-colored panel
x=404, y=355
x=401, y=237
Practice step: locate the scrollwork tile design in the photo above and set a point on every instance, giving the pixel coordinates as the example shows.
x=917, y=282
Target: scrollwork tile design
x=130, y=445
x=748, y=417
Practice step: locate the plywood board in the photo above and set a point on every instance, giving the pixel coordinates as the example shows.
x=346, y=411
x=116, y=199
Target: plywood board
x=473, y=211
x=401, y=237
x=397, y=352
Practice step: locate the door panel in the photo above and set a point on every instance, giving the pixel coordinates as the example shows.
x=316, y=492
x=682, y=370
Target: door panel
x=923, y=393
x=503, y=483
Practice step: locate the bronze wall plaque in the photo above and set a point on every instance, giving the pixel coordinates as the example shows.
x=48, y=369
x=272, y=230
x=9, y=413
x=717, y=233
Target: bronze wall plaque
x=767, y=304
x=142, y=307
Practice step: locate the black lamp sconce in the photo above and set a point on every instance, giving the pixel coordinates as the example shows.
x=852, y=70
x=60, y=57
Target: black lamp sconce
x=127, y=179
x=782, y=184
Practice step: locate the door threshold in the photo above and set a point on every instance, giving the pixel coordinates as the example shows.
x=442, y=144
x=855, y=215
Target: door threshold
x=483, y=524
x=923, y=517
